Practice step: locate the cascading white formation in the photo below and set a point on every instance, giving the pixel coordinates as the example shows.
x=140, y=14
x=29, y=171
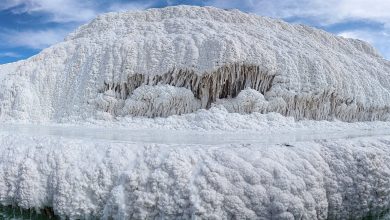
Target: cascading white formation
x=175, y=60
x=213, y=53
x=343, y=179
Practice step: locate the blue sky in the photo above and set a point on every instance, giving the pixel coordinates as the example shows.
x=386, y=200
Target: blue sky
x=28, y=26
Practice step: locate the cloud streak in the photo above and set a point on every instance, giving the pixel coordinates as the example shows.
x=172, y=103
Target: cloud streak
x=65, y=11
x=10, y=54
x=32, y=39
x=62, y=12
x=327, y=12
x=56, y=10
x=120, y=7
x=7, y=4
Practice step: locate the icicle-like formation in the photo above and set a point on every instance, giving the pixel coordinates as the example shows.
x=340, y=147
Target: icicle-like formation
x=226, y=83
x=328, y=105
x=322, y=106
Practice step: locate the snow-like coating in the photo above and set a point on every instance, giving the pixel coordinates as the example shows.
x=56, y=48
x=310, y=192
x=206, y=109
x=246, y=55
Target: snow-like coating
x=150, y=101
x=204, y=69
x=218, y=118
x=339, y=179
x=214, y=53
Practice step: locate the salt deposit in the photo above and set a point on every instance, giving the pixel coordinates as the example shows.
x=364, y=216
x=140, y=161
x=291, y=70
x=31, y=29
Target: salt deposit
x=338, y=179
x=204, y=69
x=214, y=53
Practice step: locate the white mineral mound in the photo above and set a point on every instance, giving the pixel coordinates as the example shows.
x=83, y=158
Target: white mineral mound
x=111, y=64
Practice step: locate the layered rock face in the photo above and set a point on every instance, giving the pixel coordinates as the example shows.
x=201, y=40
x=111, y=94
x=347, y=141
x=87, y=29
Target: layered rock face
x=197, y=57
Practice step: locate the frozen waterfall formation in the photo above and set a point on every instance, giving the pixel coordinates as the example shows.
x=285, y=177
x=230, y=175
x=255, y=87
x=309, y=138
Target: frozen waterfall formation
x=175, y=60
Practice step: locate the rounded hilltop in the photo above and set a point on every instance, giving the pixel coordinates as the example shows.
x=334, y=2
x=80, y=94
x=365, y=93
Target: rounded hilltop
x=197, y=57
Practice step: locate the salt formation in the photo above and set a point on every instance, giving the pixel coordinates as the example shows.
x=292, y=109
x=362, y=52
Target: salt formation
x=339, y=179
x=153, y=101
x=200, y=66
x=249, y=101
x=225, y=82
x=150, y=101
x=213, y=53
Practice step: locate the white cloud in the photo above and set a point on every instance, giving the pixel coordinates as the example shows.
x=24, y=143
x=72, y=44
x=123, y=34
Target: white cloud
x=376, y=10
x=129, y=6
x=62, y=11
x=10, y=54
x=59, y=11
x=32, y=39
x=326, y=11
x=7, y=4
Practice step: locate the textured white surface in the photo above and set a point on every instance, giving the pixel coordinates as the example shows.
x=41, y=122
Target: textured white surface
x=163, y=101
x=58, y=82
x=219, y=119
x=339, y=179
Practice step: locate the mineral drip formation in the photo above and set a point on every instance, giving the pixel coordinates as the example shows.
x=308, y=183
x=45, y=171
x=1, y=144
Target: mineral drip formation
x=238, y=87
x=177, y=60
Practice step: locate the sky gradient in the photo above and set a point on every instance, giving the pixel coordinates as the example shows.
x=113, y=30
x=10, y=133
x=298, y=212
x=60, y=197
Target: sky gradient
x=28, y=26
